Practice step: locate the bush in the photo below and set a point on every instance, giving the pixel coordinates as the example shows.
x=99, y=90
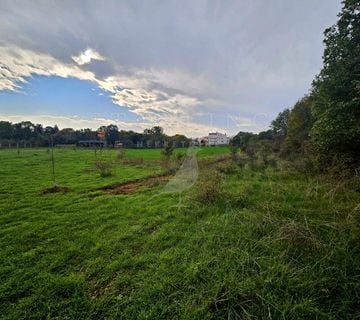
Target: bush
x=210, y=188
x=121, y=155
x=233, y=151
x=179, y=158
x=241, y=161
x=226, y=168
x=271, y=162
x=254, y=164
x=104, y=168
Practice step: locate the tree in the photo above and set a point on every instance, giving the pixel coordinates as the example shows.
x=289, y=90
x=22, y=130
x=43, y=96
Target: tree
x=154, y=136
x=280, y=124
x=242, y=139
x=6, y=130
x=300, y=121
x=336, y=111
x=112, y=134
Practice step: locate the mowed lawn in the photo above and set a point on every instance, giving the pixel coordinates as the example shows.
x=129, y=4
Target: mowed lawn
x=272, y=243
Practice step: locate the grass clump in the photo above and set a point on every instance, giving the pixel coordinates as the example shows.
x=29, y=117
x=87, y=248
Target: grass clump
x=210, y=188
x=104, y=168
x=226, y=167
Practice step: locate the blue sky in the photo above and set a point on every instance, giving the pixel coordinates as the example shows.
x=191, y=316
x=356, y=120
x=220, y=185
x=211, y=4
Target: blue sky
x=63, y=97
x=189, y=66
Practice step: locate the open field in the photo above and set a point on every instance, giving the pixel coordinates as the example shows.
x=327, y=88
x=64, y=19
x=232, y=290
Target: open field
x=268, y=243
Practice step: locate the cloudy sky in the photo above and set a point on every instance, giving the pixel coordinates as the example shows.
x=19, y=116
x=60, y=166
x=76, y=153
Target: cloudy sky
x=189, y=65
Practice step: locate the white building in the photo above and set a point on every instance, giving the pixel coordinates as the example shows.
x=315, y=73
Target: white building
x=218, y=139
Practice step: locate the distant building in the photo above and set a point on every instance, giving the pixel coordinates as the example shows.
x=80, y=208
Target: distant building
x=218, y=139
x=92, y=143
x=101, y=134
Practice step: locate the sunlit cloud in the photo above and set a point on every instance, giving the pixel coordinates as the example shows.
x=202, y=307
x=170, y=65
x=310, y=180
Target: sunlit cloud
x=86, y=57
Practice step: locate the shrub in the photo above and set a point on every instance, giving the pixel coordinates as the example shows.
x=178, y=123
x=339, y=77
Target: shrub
x=305, y=165
x=104, y=168
x=241, y=161
x=226, y=167
x=210, y=188
x=167, y=151
x=233, y=151
x=121, y=154
x=179, y=158
x=271, y=162
x=254, y=164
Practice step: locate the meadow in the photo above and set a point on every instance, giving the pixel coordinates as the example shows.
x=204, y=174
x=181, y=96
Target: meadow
x=250, y=241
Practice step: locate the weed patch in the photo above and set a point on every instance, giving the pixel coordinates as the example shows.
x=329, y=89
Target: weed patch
x=210, y=188
x=104, y=168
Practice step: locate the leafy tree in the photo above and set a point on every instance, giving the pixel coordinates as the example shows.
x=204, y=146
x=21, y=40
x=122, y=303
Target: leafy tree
x=242, y=139
x=280, y=124
x=112, y=134
x=336, y=130
x=300, y=121
x=6, y=130
x=266, y=135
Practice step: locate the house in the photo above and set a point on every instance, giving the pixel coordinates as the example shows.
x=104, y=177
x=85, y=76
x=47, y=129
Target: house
x=218, y=139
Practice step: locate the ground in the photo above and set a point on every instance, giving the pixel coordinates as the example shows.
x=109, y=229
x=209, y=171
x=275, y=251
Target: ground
x=268, y=243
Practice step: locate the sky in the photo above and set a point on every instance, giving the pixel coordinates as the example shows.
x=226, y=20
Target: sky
x=188, y=66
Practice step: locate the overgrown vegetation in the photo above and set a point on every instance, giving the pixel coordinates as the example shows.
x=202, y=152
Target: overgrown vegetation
x=105, y=168
x=249, y=243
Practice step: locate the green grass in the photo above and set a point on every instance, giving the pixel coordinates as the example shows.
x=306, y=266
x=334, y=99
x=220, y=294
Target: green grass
x=274, y=245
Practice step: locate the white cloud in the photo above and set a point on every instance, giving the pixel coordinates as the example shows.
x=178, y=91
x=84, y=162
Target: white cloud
x=86, y=57
x=17, y=64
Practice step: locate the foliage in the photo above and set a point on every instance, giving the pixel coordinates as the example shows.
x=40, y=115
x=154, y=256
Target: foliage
x=37, y=135
x=280, y=124
x=233, y=151
x=242, y=139
x=226, y=167
x=167, y=151
x=336, y=129
x=105, y=168
x=299, y=125
x=210, y=188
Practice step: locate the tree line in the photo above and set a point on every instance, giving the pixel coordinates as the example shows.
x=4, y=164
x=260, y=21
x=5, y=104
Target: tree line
x=324, y=125
x=26, y=133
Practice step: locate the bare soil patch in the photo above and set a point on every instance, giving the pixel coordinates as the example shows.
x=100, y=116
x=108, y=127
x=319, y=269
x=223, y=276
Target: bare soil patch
x=55, y=189
x=131, y=187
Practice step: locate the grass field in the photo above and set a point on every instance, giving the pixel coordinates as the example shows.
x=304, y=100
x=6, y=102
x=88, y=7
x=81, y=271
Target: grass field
x=271, y=243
